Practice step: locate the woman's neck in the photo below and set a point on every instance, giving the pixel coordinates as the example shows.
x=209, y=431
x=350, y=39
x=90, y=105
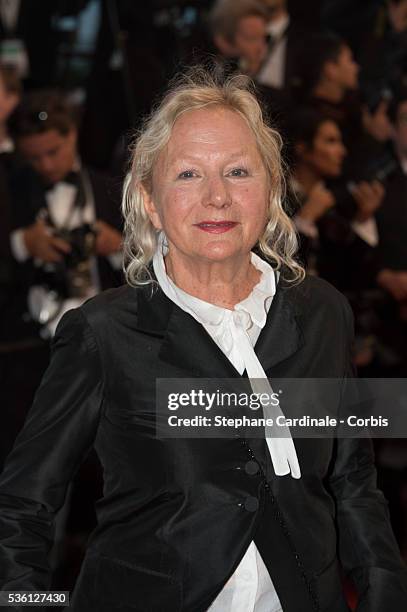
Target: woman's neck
x=219, y=283
x=306, y=177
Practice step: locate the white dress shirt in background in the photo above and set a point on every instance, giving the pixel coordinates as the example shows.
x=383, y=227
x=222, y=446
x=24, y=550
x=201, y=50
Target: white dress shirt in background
x=272, y=73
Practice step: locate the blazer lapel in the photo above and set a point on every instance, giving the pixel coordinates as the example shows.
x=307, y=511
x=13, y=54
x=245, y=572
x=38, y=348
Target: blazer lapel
x=187, y=347
x=186, y=344
x=281, y=336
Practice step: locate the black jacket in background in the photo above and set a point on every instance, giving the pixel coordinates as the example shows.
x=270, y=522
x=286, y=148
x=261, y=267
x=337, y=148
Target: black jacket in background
x=29, y=197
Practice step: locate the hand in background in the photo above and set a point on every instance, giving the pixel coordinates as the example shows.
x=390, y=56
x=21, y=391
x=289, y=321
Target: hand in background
x=108, y=239
x=41, y=244
x=395, y=282
x=368, y=198
x=319, y=200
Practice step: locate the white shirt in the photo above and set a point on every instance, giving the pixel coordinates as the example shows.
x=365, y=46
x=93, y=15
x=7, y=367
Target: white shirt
x=250, y=589
x=273, y=70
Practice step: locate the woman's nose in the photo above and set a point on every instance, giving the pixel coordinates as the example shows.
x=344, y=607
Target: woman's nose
x=217, y=193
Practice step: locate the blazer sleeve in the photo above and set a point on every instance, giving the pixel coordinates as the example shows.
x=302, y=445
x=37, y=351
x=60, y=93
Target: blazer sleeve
x=368, y=550
x=59, y=430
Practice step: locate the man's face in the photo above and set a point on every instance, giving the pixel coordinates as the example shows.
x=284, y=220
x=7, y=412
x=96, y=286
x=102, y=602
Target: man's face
x=250, y=39
x=400, y=129
x=50, y=153
x=344, y=71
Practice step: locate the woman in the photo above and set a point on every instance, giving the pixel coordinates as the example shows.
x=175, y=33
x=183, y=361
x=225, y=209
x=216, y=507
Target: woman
x=194, y=524
x=330, y=215
x=337, y=224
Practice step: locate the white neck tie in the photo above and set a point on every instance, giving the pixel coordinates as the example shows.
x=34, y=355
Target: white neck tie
x=282, y=450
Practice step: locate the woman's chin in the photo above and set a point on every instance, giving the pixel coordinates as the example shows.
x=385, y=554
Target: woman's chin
x=221, y=251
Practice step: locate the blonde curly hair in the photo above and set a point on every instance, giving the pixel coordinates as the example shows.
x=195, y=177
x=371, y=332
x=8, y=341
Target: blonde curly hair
x=196, y=89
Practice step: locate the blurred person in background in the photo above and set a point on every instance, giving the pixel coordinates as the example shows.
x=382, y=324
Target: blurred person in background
x=330, y=83
x=66, y=246
x=341, y=250
x=329, y=76
x=66, y=219
x=130, y=65
x=29, y=40
x=287, y=38
x=318, y=154
x=239, y=33
x=382, y=52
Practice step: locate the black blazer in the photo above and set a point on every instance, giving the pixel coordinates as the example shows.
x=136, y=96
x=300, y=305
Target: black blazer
x=173, y=523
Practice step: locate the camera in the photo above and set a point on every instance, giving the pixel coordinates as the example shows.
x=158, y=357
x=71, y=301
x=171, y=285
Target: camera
x=73, y=273
x=70, y=278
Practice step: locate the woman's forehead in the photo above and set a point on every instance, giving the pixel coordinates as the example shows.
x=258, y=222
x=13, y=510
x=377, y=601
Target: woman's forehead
x=215, y=129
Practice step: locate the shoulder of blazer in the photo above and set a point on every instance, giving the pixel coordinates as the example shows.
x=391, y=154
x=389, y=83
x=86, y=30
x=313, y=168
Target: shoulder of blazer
x=150, y=312
x=315, y=294
x=106, y=305
x=143, y=308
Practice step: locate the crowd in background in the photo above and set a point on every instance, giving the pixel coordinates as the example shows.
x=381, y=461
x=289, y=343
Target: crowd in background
x=332, y=77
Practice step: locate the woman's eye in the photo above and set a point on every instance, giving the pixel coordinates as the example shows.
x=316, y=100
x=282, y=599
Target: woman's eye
x=238, y=172
x=186, y=174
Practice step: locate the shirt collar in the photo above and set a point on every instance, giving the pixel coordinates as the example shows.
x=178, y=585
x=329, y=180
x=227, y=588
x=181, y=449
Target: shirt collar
x=278, y=27
x=255, y=305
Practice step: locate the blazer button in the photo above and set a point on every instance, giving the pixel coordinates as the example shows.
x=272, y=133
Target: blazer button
x=251, y=467
x=251, y=503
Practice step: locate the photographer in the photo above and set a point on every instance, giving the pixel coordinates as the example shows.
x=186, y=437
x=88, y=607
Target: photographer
x=65, y=218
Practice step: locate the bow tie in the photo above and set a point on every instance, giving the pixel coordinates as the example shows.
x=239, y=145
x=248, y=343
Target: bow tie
x=72, y=178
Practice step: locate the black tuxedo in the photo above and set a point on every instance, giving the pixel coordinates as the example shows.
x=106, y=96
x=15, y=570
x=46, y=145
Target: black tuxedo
x=29, y=197
x=174, y=524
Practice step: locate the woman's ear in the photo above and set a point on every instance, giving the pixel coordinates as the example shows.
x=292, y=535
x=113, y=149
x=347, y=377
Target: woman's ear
x=150, y=208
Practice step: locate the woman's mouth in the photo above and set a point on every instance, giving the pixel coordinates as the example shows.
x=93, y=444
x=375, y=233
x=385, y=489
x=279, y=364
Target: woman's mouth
x=215, y=227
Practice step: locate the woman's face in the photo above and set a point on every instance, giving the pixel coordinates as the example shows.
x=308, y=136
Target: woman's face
x=209, y=188
x=327, y=152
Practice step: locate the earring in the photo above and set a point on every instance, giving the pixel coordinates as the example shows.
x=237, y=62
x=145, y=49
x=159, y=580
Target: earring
x=163, y=242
